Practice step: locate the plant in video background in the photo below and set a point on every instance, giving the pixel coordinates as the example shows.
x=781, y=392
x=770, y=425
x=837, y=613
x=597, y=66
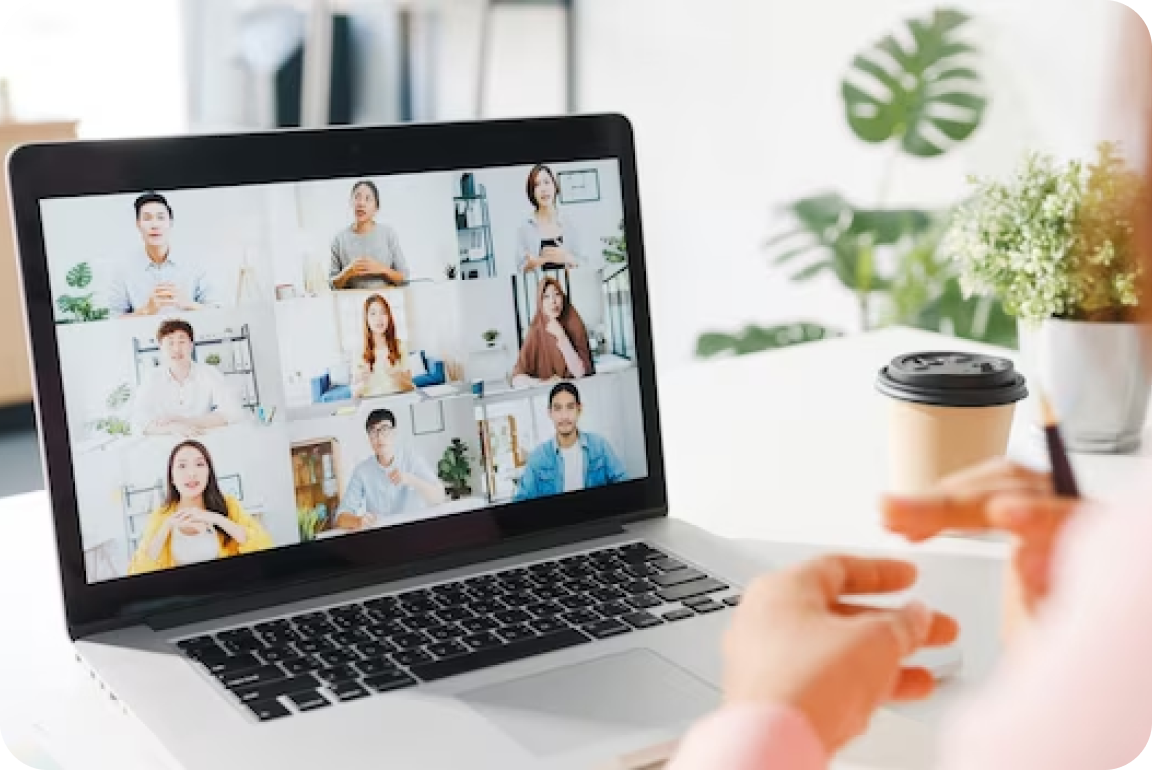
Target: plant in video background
x=922, y=96
x=616, y=247
x=115, y=423
x=455, y=470
x=80, y=309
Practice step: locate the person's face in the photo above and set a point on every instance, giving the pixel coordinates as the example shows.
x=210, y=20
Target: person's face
x=378, y=318
x=545, y=189
x=177, y=347
x=553, y=302
x=363, y=204
x=190, y=473
x=565, y=414
x=154, y=224
x=382, y=437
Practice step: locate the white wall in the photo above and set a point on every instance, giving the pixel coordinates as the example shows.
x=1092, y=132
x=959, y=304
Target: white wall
x=219, y=229
x=435, y=320
x=459, y=422
x=487, y=304
x=737, y=110
x=417, y=206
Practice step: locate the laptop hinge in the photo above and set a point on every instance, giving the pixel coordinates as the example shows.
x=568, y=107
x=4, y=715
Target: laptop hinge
x=311, y=589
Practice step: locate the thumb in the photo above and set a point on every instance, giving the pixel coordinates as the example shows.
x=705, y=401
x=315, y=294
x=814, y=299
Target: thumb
x=905, y=629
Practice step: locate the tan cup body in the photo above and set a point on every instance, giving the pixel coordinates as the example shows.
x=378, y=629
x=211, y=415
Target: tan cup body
x=927, y=443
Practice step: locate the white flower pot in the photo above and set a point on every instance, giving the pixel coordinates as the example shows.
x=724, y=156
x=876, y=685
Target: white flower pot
x=1097, y=376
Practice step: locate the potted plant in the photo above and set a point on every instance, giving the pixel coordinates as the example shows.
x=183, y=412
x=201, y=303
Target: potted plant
x=212, y=359
x=490, y=337
x=115, y=424
x=455, y=470
x=79, y=309
x=450, y=270
x=1055, y=243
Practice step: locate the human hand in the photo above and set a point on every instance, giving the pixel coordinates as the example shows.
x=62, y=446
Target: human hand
x=554, y=328
x=162, y=296
x=399, y=478
x=794, y=642
x=179, y=298
x=996, y=495
x=178, y=426
x=552, y=254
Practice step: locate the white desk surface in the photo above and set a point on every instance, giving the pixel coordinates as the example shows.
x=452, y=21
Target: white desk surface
x=785, y=451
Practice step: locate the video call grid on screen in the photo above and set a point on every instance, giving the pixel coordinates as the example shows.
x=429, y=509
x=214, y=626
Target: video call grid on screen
x=258, y=366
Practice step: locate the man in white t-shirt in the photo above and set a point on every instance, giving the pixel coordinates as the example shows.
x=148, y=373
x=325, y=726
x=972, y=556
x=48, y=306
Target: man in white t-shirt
x=182, y=397
x=573, y=459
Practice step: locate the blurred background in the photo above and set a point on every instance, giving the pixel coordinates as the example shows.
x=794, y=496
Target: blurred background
x=796, y=159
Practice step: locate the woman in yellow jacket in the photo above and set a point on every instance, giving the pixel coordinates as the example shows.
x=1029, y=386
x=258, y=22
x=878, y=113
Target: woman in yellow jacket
x=197, y=522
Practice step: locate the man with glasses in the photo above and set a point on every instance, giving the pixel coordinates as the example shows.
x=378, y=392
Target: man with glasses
x=394, y=480
x=573, y=459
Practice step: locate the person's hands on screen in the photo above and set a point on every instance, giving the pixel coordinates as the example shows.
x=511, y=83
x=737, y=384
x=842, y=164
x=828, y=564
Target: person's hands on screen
x=794, y=642
x=996, y=495
x=178, y=298
x=162, y=296
x=555, y=329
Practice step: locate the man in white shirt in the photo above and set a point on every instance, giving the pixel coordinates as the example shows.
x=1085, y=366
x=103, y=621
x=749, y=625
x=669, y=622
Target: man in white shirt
x=183, y=398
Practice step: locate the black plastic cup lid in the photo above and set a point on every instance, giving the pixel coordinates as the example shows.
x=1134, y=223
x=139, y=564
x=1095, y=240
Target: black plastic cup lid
x=952, y=379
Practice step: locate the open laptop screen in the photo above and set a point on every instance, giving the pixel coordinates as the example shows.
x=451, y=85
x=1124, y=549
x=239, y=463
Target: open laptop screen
x=251, y=367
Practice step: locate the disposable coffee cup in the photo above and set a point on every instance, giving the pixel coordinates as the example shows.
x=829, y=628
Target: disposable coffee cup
x=949, y=411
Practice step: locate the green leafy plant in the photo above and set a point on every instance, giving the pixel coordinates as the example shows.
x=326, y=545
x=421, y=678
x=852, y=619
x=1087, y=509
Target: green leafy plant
x=756, y=338
x=114, y=426
x=491, y=336
x=1055, y=239
x=450, y=271
x=616, y=247
x=922, y=97
x=79, y=309
x=114, y=423
x=310, y=521
x=455, y=470
x=212, y=359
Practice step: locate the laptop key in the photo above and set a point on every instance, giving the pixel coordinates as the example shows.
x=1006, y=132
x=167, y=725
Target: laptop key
x=454, y=614
x=607, y=594
x=446, y=649
x=692, y=601
x=373, y=667
x=374, y=649
x=207, y=654
x=389, y=680
x=582, y=585
x=642, y=620
x=312, y=646
x=708, y=607
x=349, y=638
x=642, y=570
x=386, y=628
x=410, y=658
x=603, y=629
x=199, y=641
x=515, y=633
x=512, y=617
x=477, y=625
x=550, y=592
x=301, y=665
x=483, y=640
x=547, y=625
x=420, y=622
x=577, y=602
x=680, y=614
x=337, y=657
x=488, y=606
x=445, y=633
x=276, y=654
x=267, y=710
x=614, y=577
x=668, y=565
x=232, y=664
x=643, y=602
x=732, y=601
x=613, y=609
x=410, y=640
x=337, y=673
x=634, y=587
x=346, y=691
x=247, y=644
x=688, y=590
x=519, y=599
x=677, y=577
x=249, y=677
x=496, y=656
x=580, y=617
x=272, y=690
x=308, y=701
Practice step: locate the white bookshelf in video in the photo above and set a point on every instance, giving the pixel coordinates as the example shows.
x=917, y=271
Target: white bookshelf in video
x=230, y=352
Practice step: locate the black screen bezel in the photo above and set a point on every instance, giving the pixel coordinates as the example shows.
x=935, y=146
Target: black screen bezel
x=55, y=170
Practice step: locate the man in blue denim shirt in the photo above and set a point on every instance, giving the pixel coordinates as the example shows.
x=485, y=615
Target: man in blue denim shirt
x=574, y=459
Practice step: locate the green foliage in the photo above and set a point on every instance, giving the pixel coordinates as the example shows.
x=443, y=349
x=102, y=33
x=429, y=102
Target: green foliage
x=491, y=336
x=616, y=247
x=310, y=521
x=79, y=309
x=119, y=396
x=212, y=359
x=923, y=95
x=455, y=469
x=756, y=338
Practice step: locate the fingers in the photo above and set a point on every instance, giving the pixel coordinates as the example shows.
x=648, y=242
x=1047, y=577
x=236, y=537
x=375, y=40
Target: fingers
x=896, y=634
x=997, y=475
x=913, y=684
x=942, y=631
x=1029, y=516
x=835, y=576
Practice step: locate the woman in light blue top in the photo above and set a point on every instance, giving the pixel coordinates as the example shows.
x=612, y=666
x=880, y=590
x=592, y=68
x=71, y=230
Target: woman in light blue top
x=547, y=240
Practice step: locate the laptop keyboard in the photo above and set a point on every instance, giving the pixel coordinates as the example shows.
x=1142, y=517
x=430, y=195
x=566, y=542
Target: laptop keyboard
x=351, y=651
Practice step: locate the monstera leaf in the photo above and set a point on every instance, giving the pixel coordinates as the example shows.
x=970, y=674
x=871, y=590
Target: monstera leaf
x=920, y=91
x=79, y=276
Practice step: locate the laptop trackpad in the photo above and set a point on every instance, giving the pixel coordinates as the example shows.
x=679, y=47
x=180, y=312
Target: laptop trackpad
x=606, y=699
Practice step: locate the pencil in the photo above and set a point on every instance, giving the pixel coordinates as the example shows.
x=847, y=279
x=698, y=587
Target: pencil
x=1063, y=479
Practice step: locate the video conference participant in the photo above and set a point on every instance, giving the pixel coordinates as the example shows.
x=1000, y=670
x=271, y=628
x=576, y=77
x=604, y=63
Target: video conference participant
x=547, y=240
x=157, y=283
x=394, y=480
x=383, y=367
x=556, y=345
x=197, y=521
x=182, y=397
x=573, y=459
x=366, y=254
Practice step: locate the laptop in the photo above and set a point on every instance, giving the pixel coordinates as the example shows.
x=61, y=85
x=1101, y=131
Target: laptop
x=353, y=446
